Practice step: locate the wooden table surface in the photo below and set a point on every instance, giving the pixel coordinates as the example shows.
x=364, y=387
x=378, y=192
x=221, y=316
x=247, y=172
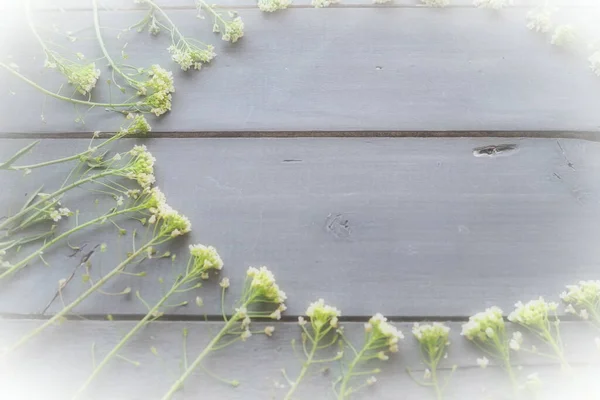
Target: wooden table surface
x=339, y=147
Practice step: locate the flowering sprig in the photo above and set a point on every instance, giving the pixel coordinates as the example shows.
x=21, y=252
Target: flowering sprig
x=168, y=224
x=322, y=333
x=273, y=5
x=260, y=291
x=157, y=85
x=83, y=77
x=156, y=105
x=488, y=332
x=138, y=126
x=381, y=337
x=136, y=164
x=433, y=341
x=535, y=317
x=583, y=300
x=493, y=4
x=187, y=52
x=203, y=260
x=232, y=28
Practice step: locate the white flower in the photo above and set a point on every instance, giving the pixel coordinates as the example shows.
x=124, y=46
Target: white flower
x=483, y=362
x=241, y=312
x=323, y=3
x=246, y=322
x=301, y=321
x=83, y=77
x=436, y=3
x=493, y=4
x=224, y=283
x=478, y=324
x=189, y=56
x=120, y=201
x=368, y=327
x=516, y=341
x=382, y=356
x=273, y=5
x=269, y=330
x=275, y=315
x=490, y=333
x=245, y=335
x=427, y=374
x=540, y=20
x=264, y=285
x=535, y=313
x=371, y=381
x=584, y=314
x=321, y=314
x=206, y=258
x=564, y=35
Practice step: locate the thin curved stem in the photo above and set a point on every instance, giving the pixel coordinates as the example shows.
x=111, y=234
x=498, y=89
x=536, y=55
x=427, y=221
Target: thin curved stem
x=34, y=30
x=58, y=316
x=304, y=370
x=344, y=386
x=112, y=63
x=14, y=268
x=65, y=98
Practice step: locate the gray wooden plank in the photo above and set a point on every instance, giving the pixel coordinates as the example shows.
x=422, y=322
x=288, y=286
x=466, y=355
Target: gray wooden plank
x=425, y=225
x=455, y=69
x=61, y=359
x=167, y=4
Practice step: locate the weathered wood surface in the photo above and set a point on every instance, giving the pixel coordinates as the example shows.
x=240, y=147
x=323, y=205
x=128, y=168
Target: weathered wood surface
x=406, y=227
x=401, y=69
x=62, y=360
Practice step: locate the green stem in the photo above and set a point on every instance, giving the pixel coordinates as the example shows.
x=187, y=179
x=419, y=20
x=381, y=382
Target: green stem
x=434, y=380
x=213, y=12
x=14, y=268
x=305, y=366
x=58, y=96
x=34, y=30
x=114, y=66
x=151, y=314
x=166, y=17
x=80, y=299
x=65, y=189
x=344, y=386
x=179, y=382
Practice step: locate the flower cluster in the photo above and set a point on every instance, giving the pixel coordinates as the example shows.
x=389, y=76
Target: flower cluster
x=323, y=3
x=595, y=62
x=484, y=326
x=563, y=35
x=540, y=20
x=204, y=259
x=141, y=168
x=381, y=331
x=190, y=56
x=84, y=78
x=273, y=5
x=321, y=315
x=234, y=30
x=56, y=214
x=173, y=224
x=139, y=126
x=158, y=89
x=533, y=314
x=263, y=286
x=516, y=341
x=432, y=335
x=436, y=3
x=493, y=4
x=583, y=300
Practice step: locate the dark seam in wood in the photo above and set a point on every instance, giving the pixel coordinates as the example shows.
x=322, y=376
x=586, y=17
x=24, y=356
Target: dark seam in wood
x=584, y=135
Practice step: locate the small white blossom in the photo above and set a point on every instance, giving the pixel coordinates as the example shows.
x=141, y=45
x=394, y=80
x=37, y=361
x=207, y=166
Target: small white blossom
x=269, y=330
x=234, y=30
x=275, y=315
x=584, y=315
x=483, y=362
x=245, y=335
x=246, y=322
x=224, y=283
x=371, y=381
x=427, y=374
x=301, y=321
x=516, y=341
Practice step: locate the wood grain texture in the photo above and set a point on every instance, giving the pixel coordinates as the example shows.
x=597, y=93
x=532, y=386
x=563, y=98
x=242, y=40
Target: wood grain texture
x=413, y=227
x=407, y=69
x=55, y=364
